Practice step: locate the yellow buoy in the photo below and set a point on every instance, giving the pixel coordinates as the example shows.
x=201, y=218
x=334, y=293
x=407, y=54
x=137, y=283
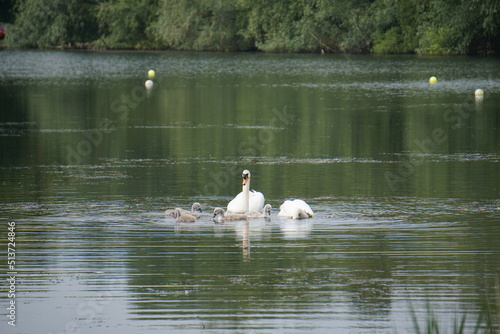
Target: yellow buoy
x=479, y=92
x=433, y=80
x=151, y=74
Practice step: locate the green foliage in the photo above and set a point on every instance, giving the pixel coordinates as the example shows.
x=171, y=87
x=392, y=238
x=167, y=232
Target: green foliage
x=460, y=27
x=215, y=25
x=395, y=26
x=6, y=7
x=358, y=26
x=123, y=23
x=42, y=23
x=436, y=41
x=485, y=323
x=280, y=26
x=390, y=41
x=477, y=24
x=305, y=26
x=380, y=26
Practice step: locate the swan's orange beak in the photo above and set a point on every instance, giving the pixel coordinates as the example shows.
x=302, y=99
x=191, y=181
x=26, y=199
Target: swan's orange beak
x=245, y=179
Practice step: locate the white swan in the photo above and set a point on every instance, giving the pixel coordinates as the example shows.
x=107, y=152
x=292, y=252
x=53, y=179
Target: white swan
x=221, y=216
x=296, y=209
x=246, y=200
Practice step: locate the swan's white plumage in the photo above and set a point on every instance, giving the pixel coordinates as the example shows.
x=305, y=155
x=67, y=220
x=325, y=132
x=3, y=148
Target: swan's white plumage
x=296, y=209
x=255, y=202
x=247, y=200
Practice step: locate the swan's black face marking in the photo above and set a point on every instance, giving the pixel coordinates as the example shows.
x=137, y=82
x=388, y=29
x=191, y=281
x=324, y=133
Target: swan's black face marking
x=245, y=178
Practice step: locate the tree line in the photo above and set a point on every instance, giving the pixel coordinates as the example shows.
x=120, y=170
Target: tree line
x=330, y=26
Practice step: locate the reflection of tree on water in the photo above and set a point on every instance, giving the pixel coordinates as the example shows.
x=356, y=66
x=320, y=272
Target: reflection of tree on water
x=437, y=235
x=204, y=272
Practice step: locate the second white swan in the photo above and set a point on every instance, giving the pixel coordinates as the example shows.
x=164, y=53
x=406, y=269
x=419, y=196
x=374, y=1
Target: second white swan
x=296, y=209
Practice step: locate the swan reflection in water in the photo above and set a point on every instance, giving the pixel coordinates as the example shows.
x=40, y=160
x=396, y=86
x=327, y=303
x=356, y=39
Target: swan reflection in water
x=296, y=229
x=246, y=240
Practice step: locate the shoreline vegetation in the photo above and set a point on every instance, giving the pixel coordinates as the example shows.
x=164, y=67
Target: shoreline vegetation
x=427, y=27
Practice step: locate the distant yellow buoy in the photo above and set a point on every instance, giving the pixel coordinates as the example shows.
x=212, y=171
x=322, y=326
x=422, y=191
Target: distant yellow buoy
x=479, y=92
x=433, y=80
x=151, y=74
x=149, y=84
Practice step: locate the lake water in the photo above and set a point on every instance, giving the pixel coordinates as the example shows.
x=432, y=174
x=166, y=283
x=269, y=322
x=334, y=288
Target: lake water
x=403, y=176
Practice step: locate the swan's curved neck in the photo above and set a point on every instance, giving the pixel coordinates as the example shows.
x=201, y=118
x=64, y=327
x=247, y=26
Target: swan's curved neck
x=246, y=196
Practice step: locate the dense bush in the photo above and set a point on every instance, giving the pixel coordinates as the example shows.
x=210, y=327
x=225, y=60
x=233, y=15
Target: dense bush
x=202, y=25
x=43, y=23
x=380, y=26
x=124, y=23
